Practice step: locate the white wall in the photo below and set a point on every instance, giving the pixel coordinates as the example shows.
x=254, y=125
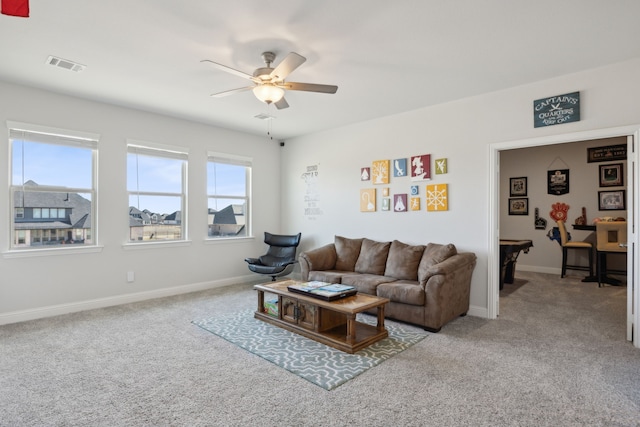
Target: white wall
x=533, y=163
x=461, y=131
x=38, y=286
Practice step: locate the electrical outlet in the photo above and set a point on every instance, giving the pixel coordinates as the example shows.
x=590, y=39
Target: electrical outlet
x=131, y=277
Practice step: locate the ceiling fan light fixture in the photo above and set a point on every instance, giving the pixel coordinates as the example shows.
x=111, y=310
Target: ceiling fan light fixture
x=269, y=83
x=268, y=93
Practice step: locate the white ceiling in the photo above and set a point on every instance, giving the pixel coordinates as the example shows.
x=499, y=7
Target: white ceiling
x=386, y=56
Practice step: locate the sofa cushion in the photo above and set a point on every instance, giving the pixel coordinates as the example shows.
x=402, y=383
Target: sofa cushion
x=402, y=291
x=403, y=261
x=329, y=276
x=347, y=251
x=365, y=283
x=322, y=258
x=434, y=254
x=373, y=257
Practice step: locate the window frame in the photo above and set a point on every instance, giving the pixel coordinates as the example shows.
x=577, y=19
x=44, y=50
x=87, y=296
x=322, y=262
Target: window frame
x=27, y=132
x=153, y=149
x=231, y=159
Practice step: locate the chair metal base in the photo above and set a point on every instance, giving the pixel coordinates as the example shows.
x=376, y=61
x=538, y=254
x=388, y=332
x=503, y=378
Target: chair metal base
x=271, y=271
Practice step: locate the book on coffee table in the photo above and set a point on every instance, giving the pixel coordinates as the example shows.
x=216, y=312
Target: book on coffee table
x=323, y=290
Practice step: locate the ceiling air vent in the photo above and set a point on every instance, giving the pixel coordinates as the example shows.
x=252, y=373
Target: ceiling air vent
x=66, y=64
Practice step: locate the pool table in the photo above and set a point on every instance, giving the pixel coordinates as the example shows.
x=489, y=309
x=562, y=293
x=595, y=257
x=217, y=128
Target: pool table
x=509, y=251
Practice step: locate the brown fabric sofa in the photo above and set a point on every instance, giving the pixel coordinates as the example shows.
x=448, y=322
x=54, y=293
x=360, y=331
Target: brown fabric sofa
x=428, y=285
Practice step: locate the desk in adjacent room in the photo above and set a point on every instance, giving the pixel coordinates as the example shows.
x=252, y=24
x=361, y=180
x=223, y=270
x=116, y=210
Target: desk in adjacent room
x=587, y=227
x=584, y=227
x=509, y=251
x=601, y=259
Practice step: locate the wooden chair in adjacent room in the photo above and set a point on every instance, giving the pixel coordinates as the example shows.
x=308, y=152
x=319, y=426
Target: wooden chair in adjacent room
x=575, y=246
x=611, y=237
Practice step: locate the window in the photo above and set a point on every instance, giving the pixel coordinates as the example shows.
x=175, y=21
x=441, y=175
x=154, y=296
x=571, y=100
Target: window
x=52, y=172
x=156, y=184
x=228, y=190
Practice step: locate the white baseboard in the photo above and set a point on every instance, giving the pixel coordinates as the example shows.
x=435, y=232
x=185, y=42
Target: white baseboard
x=56, y=310
x=538, y=269
x=476, y=311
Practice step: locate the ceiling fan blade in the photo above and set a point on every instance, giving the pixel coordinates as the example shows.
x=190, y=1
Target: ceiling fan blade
x=281, y=104
x=288, y=64
x=229, y=70
x=309, y=87
x=231, y=92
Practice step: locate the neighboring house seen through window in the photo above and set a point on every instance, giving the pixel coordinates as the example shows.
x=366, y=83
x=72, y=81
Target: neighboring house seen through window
x=228, y=190
x=53, y=186
x=156, y=184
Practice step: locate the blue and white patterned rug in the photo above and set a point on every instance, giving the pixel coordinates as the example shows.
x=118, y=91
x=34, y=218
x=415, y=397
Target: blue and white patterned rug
x=315, y=362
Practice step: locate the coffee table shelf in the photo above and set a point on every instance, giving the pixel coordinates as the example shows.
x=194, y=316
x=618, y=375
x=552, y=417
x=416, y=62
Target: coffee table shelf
x=331, y=323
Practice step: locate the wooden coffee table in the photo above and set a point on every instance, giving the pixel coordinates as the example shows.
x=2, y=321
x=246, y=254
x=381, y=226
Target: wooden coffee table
x=331, y=323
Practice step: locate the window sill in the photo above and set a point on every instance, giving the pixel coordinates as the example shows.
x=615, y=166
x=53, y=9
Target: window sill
x=27, y=253
x=156, y=245
x=226, y=240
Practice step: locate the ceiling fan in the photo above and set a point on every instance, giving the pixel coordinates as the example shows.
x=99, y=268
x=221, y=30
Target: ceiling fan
x=269, y=84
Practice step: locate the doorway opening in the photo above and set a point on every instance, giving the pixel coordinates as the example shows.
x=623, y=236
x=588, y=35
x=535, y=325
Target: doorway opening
x=632, y=184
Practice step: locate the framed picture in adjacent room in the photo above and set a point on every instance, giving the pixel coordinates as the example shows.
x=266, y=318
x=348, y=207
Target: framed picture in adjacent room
x=558, y=182
x=519, y=206
x=518, y=186
x=607, y=154
x=611, y=200
x=611, y=175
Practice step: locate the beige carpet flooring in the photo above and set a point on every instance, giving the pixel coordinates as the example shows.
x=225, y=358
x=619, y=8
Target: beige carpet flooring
x=556, y=357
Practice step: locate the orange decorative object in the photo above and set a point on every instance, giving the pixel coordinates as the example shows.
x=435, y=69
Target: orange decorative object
x=559, y=211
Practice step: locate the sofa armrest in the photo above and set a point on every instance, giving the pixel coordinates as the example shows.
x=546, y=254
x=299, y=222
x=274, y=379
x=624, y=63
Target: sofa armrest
x=450, y=265
x=323, y=258
x=448, y=289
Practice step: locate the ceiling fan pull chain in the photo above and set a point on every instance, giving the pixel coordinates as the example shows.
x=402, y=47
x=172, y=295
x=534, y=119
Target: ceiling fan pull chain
x=269, y=122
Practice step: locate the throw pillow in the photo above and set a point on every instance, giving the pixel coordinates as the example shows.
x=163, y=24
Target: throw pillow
x=434, y=254
x=347, y=252
x=403, y=261
x=373, y=257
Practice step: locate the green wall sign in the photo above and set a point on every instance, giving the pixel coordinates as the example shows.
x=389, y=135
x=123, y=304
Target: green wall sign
x=556, y=110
